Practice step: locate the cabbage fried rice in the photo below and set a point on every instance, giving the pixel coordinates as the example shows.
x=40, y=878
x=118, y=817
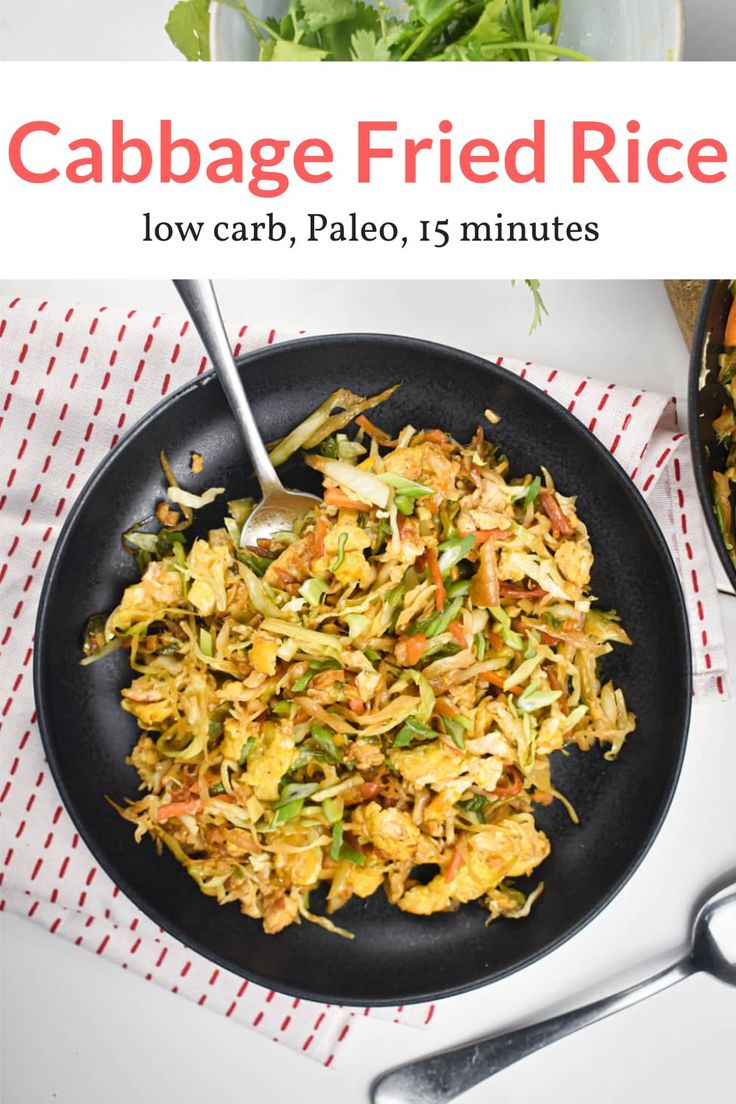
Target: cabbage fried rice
x=378, y=690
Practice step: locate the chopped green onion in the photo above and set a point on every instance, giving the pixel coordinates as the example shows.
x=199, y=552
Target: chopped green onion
x=246, y=750
x=452, y=552
x=408, y=488
x=296, y=791
x=281, y=708
x=455, y=731
x=438, y=624
x=352, y=856
x=357, y=623
x=513, y=639
x=324, y=738
x=217, y=788
x=532, y=491
x=459, y=588
x=329, y=447
x=372, y=655
x=339, y=560
x=315, y=666
x=404, y=504
x=287, y=812
x=413, y=729
x=205, y=643
x=336, y=845
x=533, y=698
x=313, y=589
x=257, y=564
x=474, y=808
x=333, y=810
x=480, y=646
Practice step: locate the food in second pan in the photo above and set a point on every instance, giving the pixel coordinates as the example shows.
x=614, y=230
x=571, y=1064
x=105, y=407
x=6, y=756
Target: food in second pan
x=372, y=699
x=725, y=428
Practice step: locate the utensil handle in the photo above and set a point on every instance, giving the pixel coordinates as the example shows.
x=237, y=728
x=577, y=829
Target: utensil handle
x=442, y=1077
x=200, y=300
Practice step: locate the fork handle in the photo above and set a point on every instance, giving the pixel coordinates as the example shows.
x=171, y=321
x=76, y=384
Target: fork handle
x=446, y=1075
x=200, y=300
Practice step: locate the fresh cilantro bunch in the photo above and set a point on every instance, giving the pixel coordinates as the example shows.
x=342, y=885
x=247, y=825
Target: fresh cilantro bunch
x=351, y=30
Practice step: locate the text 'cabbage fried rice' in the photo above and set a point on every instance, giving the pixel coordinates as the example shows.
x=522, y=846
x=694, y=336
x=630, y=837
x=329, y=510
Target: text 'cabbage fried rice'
x=379, y=689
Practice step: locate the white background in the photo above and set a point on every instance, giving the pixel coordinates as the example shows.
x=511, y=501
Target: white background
x=75, y=30
x=78, y=1030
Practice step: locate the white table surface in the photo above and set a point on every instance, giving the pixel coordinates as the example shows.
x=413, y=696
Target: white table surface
x=87, y=30
x=78, y=1030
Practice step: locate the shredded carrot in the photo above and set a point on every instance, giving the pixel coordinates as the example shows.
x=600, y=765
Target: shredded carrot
x=483, y=535
x=730, y=335
x=301, y=717
x=435, y=437
x=457, y=860
x=333, y=496
x=555, y=513
x=445, y=708
x=440, y=594
x=459, y=633
x=318, y=537
x=412, y=647
x=357, y=705
x=179, y=808
x=514, y=785
x=556, y=685
x=373, y=431
x=495, y=641
x=497, y=679
x=508, y=590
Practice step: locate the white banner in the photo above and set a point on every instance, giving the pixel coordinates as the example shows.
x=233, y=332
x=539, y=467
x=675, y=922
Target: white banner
x=309, y=171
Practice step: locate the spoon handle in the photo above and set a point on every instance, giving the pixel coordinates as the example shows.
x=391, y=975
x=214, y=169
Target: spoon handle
x=200, y=300
x=442, y=1077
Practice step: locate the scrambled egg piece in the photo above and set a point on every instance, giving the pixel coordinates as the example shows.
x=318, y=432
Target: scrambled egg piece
x=391, y=832
x=263, y=654
x=208, y=565
x=149, y=701
x=435, y=765
x=269, y=761
x=298, y=868
x=574, y=560
x=428, y=765
x=354, y=567
x=512, y=848
x=428, y=464
x=235, y=733
x=159, y=587
x=292, y=566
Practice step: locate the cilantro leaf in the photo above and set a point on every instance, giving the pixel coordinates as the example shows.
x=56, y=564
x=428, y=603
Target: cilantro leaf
x=365, y=46
x=188, y=27
x=326, y=13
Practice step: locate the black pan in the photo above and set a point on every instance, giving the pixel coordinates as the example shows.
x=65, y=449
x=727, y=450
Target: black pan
x=706, y=399
x=395, y=958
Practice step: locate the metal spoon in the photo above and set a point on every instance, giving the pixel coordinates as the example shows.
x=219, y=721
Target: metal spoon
x=280, y=508
x=444, y=1076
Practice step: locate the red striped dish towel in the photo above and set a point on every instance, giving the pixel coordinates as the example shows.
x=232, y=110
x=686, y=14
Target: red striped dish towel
x=72, y=379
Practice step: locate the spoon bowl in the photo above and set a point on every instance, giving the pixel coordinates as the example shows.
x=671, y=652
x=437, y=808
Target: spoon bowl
x=280, y=508
x=278, y=511
x=444, y=1076
x=714, y=936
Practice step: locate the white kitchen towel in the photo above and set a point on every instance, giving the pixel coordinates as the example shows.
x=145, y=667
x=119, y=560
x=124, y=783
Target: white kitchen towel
x=72, y=380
